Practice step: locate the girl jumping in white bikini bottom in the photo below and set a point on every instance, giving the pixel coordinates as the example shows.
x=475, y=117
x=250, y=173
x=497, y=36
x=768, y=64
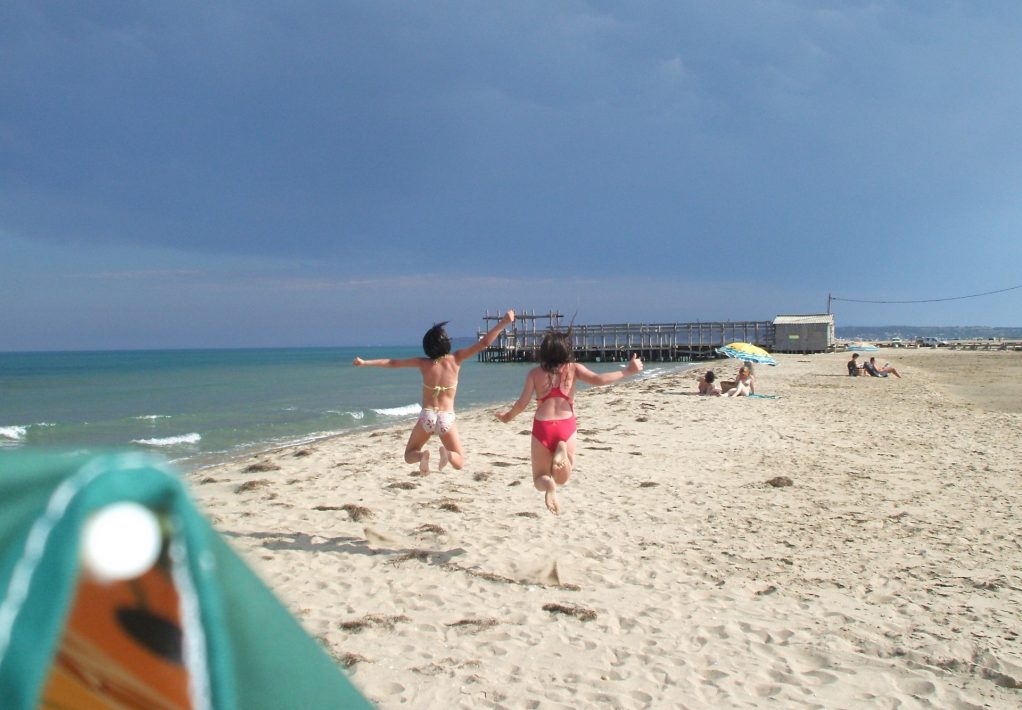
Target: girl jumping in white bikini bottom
x=439, y=371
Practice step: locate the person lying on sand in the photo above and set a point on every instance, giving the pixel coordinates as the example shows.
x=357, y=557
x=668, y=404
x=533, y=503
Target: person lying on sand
x=439, y=381
x=553, y=428
x=708, y=384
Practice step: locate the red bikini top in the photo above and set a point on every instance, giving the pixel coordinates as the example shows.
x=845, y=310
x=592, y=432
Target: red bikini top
x=556, y=391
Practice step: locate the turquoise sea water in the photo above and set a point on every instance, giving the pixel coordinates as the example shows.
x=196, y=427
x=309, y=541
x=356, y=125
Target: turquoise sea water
x=201, y=406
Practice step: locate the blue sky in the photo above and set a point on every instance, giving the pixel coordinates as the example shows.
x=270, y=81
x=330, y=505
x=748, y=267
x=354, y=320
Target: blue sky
x=226, y=174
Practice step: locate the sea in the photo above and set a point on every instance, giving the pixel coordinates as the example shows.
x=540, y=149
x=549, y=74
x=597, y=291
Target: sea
x=201, y=407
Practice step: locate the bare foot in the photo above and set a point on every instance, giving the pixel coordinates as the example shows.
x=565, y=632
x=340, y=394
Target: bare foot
x=424, y=462
x=444, y=458
x=551, y=502
x=560, y=455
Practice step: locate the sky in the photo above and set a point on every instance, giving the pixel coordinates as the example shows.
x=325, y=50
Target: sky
x=264, y=174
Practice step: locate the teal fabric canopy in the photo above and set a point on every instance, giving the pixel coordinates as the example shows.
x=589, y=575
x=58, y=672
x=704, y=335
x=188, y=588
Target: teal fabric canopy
x=233, y=643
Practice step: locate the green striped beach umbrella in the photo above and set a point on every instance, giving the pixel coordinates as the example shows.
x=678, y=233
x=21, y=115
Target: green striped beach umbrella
x=116, y=593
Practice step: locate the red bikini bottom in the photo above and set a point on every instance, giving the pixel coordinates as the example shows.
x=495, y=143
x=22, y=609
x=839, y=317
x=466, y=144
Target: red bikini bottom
x=551, y=432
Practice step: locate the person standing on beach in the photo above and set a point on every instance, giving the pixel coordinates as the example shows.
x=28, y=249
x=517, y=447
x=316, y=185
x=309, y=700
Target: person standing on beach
x=554, y=427
x=439, y=371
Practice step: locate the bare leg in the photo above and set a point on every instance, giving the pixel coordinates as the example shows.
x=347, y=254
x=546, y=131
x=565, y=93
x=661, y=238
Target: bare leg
x=452, y=445
x=542, y=463
x=413, y=451
x=560, y=456
x=563, y=461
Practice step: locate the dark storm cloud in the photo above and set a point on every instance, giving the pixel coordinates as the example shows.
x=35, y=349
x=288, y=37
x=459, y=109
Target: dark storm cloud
x=397, y=137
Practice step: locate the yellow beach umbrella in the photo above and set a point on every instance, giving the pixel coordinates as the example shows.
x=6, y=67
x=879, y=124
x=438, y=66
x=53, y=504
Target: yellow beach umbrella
x=747, y=352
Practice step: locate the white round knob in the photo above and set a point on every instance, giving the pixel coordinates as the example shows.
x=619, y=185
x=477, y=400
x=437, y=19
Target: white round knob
x=121, y=541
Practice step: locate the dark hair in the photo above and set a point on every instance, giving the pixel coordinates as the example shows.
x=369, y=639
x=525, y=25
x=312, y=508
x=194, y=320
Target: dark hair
x=710, y=377
x=855, y=355
x=435, y=342
x=555, y=350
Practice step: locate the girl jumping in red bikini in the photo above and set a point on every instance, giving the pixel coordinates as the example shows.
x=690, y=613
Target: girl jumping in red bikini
x=553, y=428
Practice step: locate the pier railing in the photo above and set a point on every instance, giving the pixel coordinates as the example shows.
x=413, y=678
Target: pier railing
x=663, y=342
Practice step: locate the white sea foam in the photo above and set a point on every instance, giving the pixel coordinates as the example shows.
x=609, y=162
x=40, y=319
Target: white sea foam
x=14, y=433
x=353, y=415
x=44, y=424
x=405, y=411
x=170, y=440
x=154, y=416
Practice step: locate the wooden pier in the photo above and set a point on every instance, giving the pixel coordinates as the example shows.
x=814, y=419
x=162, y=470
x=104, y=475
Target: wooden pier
x=616, y=342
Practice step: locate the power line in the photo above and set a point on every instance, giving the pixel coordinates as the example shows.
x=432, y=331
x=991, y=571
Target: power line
x=928, y=300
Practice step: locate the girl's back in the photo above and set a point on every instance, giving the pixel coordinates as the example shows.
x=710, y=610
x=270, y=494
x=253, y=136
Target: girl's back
x=439, y=382
x=555, y=391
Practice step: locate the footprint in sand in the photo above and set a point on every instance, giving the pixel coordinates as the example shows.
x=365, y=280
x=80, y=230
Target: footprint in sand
x=766, y=690
x=376, y=538
x=546, y=574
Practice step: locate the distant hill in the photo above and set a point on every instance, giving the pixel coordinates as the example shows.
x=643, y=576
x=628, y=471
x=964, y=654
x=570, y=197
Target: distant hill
x=948, y=332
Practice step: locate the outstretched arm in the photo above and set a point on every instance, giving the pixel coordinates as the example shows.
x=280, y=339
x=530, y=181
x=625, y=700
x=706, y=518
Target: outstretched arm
x=520, y=405
x=634, y=367
x=487, y=340
x=387, y=362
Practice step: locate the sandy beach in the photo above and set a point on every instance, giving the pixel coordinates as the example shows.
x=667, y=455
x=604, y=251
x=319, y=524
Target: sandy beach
x=851, y=543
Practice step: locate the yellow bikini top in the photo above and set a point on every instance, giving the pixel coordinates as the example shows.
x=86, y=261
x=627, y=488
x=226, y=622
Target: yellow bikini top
x=438, y=389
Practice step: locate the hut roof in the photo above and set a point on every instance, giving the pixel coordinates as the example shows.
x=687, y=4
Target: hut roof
x=827, y=318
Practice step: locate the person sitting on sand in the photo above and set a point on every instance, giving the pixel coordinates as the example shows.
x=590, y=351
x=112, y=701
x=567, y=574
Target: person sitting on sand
x=882, y=371
x=744, y=384
x=708, y=384
x=553, y=428
x=853, y=365
x=752, y=376
x=439, y=381
x=869, y=368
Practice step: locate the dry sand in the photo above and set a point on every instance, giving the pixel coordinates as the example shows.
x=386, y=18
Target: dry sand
x=888, y=574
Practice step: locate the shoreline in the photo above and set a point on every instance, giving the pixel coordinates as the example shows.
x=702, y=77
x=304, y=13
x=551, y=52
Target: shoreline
x=684, y=570
x=262, y=450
